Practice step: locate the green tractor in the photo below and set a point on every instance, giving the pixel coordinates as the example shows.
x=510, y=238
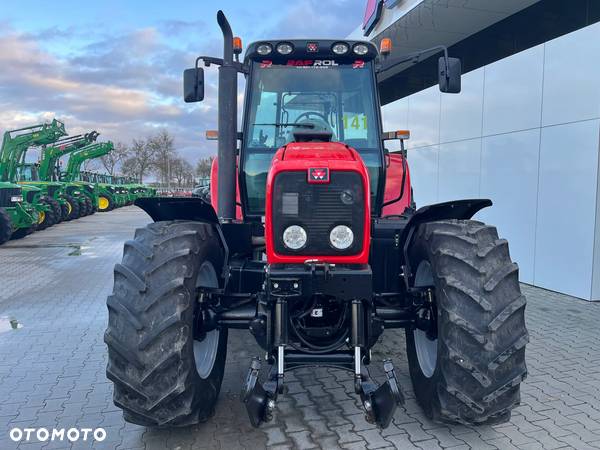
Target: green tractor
x=103, y=198
x=41, y=196
x=80, y=196
x=125, y=189
x=17, y=220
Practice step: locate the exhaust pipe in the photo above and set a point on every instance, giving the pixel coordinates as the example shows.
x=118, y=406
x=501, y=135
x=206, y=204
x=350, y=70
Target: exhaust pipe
x=227, y=124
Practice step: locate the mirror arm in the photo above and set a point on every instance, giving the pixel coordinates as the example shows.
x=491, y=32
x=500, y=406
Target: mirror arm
x=415, y=58
x=208, y=60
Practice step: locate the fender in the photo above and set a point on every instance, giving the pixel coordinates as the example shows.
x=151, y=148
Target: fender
x=177, y=208
x=235, y=237
x=456, y=209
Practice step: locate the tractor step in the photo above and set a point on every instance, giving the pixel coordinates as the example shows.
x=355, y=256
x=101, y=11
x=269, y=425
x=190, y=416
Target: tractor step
x=379, y=401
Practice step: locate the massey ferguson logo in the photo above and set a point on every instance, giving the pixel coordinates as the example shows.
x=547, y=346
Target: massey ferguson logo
x=318, y=175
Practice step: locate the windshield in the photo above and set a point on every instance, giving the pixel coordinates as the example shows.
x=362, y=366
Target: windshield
x=27, y=172
x=331, y=97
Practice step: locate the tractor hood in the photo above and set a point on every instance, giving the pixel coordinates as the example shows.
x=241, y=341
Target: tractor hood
x=323, y=152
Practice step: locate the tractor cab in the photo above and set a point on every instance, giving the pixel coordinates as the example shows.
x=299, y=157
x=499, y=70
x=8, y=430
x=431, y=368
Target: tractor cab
x=307, y=91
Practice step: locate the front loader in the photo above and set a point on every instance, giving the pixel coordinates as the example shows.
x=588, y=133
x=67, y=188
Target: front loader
x=315, y=248
x=79, y=196
x=101, y=197
x=40, y=196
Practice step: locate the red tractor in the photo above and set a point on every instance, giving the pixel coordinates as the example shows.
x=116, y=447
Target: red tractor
x=314, y=246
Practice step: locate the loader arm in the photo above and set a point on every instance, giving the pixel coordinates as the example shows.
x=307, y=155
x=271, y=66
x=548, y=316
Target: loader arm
x=16, y=142
x=77, y=158
x=52, y=153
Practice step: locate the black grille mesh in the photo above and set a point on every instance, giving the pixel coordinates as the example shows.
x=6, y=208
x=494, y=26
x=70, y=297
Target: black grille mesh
x=6, y=194
x=319, y=209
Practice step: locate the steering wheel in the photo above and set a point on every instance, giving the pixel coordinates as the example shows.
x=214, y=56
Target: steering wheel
x=308, y=114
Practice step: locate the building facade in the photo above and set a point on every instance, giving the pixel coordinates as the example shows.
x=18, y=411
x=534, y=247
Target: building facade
x=524, y=132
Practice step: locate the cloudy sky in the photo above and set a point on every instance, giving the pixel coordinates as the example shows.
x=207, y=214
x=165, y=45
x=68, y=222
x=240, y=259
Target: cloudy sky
x=115, y=65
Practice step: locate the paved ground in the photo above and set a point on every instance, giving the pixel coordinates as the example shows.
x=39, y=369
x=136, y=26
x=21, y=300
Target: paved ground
x=54, y=284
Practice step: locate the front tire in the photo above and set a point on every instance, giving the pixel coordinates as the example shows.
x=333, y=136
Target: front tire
x=47, y=218
x=166, y=371
x=6, y=228
x=90, y=206
x=56, y=208
x=73, y=205
x=468, y=366
x=23, y=232
x=105, y=203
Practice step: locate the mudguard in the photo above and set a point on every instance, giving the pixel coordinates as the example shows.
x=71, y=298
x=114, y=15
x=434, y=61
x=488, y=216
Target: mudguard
x=177, y=208
x=457, y=209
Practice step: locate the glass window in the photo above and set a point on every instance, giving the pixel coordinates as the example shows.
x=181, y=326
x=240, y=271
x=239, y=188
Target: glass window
x=286, y=99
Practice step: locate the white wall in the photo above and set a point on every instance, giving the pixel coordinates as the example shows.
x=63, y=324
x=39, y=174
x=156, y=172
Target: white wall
x=525, y=132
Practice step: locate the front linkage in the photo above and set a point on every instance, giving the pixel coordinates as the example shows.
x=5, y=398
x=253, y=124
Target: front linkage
x=346, y=344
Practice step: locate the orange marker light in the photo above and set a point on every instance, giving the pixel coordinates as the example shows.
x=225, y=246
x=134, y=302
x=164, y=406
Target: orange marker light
x=237, y=45
x=385, y=47
x=403, y=134
x=212, y=135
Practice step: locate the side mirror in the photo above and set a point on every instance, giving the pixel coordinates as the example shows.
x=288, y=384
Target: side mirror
x=449, y=80
x=193, y=85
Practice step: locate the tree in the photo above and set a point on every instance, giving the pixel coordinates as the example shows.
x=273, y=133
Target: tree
x=182, y=171
x=140, y=160
x=203, y=167
x=163, y=151
x=90, y=165
x=112, y=160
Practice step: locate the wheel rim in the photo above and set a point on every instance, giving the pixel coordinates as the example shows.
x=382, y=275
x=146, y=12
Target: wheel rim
x=69, y=207
x=41, y=217
x=205, y=351
x=102, y=203
x=426, y=349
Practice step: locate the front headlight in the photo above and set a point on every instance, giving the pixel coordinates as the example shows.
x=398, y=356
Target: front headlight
x=294, y=237
x=76, y=192
x=341, y=237
x=16, y=199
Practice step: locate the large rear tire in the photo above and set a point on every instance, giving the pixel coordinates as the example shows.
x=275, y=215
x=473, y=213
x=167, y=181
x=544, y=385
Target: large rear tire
x=166, y=371
x=469, y=368
x=6, y=228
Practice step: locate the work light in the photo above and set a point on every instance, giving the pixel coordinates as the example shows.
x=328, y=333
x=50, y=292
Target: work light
x=285, y=48
x=340, y=48
x=264, y=49
x=16, y=198
x=361, y=49
x=341, y=237
x=294, y=237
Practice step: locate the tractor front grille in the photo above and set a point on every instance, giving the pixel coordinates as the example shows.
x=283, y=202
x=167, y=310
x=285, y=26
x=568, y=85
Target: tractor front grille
x=6, y=195
x=318, y=208
x=30, y=196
